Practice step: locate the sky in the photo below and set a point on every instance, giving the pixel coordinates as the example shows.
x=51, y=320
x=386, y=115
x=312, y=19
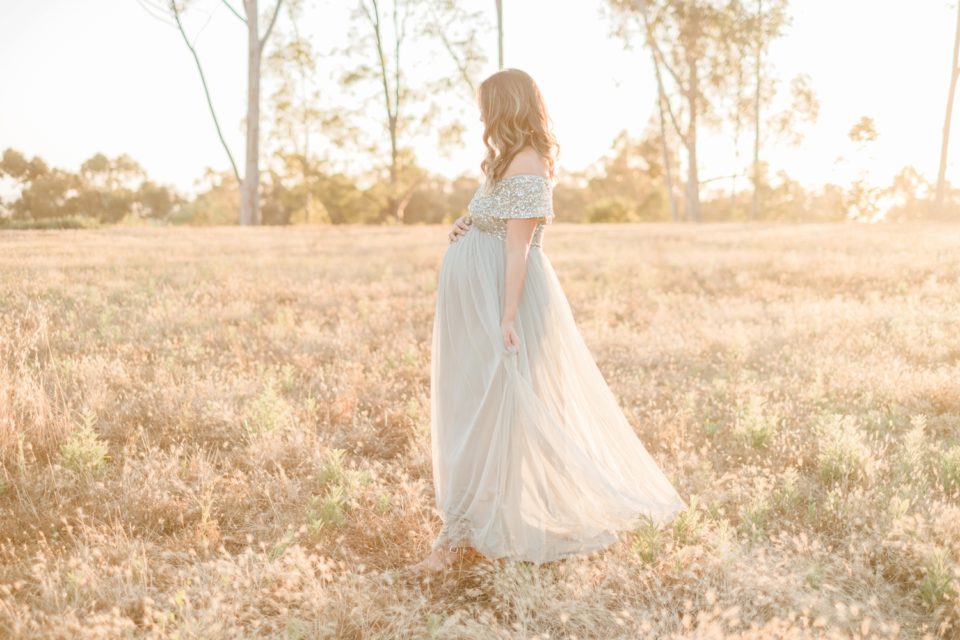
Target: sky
x=106, y=76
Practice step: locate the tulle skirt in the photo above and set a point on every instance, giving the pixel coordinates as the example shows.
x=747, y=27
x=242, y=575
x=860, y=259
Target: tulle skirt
x=533, y=459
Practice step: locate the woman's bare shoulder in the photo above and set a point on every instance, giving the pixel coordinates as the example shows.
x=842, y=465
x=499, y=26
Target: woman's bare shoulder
x=527, y=162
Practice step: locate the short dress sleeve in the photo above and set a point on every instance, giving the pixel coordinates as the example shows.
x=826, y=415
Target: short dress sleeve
x=524, y=196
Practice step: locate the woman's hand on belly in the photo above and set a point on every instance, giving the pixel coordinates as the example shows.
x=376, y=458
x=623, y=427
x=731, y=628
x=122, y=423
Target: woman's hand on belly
x=460, y=226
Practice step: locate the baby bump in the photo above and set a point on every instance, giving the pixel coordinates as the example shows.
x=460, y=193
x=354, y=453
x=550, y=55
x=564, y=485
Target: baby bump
x=469, y=289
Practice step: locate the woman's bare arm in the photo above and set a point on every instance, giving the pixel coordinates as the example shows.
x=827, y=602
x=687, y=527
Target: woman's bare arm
x=519, y=234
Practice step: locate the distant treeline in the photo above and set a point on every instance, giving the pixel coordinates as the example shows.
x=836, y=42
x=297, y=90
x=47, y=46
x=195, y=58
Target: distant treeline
x=626, y=186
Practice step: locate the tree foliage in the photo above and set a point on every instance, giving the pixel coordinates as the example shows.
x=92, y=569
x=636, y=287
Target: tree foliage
x=105, y=189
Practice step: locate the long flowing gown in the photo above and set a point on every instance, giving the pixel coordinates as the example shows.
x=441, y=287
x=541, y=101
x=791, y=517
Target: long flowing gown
x=533, y=459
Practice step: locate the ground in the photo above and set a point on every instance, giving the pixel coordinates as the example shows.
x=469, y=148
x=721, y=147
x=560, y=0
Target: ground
x=224, y=433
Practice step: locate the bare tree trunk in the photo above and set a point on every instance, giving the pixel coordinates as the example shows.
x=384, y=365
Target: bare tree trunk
x=391, y=99
x=692, y=190
x=250, y=182
x=664, y=153
x=206, y=90
x=661, y=97
x=395, y=207
x=305, y=122
x=945, y=142
x=398, y=206
x=500, y=33
x=738, y=128
x=755, y=205
x=249, y=190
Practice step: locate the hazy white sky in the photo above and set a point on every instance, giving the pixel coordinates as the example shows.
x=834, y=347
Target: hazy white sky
x=102, y=75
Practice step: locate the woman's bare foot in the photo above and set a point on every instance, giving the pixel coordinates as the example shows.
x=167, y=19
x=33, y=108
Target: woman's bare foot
x=438, y=560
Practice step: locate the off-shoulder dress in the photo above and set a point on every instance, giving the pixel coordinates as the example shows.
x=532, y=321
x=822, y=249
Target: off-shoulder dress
x=533, y=458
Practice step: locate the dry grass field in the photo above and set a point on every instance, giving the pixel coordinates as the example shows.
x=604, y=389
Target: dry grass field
x=224, y=433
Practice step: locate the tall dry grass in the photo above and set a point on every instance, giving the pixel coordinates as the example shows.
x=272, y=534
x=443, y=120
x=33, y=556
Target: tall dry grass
x=225, y=433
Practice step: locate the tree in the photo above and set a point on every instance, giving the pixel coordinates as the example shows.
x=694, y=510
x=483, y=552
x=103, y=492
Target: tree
x=456, y=30
x=909, y=195
x=862, y=199
x=105, y=189
x=44, y=192
x=693, y=42
x=250, y=188
x=388, y=42
x=760, y=43
x=108, y=187
x=768, y=24
x=626, y=186
x=215, y=203
x=298, y=118
x=945, y=140
x=155, y=201
x=500, y=34
x=250, y=181
x=661, y=113
x=380, y=54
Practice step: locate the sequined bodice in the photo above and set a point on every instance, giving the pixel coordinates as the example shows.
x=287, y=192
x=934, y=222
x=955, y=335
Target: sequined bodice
x=517, y=196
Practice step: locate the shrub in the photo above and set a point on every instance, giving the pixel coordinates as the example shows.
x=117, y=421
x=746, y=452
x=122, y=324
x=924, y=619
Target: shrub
x=688, y=525
x=647, y=543
x=267, y=413
x=66, y=222
x=950, y=469
x=843, y=452
x=755, y=426
x=754, y=515
x=328, y=509
x=913, y=453
x=84, y=451
x=937, y=585
x=612, y=210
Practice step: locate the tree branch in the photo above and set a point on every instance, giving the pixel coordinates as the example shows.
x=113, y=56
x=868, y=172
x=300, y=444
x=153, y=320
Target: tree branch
x=663, y=60
x=234, y=11
x=398, y=34
x=666, y=100
x=657, y=56
x=273, y=21
x=375, y=22
x=461, y=65
x=157, y=10
x=206, y=90
x=735, y=174
x=648, y=30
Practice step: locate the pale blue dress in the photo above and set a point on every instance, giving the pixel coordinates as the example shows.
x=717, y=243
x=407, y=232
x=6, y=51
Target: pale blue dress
x=533, y=459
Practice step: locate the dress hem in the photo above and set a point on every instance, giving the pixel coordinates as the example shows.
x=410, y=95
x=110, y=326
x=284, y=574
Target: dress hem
x=603, y=540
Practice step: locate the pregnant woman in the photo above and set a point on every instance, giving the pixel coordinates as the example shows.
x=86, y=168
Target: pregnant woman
x=533, y=458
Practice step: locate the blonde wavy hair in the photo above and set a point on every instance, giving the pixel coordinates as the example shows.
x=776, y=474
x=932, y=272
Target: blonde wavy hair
x=515, y=116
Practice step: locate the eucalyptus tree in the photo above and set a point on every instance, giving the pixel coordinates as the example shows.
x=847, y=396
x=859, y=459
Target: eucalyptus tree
x=945, y=139
x=500, y=34
x=386, y=38
x=692, y=43
x=301, y=109
x=250, y=17
x=457, y=29
x=706, y=50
